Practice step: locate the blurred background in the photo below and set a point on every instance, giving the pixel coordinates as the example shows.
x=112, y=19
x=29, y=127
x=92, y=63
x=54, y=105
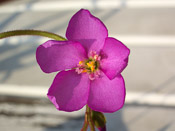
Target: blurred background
x=147, y=27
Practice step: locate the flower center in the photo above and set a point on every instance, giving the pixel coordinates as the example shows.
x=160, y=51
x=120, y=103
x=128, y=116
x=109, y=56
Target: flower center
x=90, y=66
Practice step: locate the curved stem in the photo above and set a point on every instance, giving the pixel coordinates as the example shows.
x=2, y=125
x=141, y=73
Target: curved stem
x=31, y=32
x=85, y=125
x=89, y=118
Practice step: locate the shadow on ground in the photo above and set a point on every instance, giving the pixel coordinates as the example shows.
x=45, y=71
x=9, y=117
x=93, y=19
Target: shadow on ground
x=114, y=122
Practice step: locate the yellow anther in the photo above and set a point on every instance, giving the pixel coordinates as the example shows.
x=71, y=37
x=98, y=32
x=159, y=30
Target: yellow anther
x=92, y=68
x=84, y=71
x=91, y=65
x=80, y=62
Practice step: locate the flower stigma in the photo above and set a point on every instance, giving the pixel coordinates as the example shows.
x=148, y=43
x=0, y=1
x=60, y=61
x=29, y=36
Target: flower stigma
x=90, y=66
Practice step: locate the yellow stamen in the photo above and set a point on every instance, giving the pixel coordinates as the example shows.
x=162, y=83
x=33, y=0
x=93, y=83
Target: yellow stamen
x=91, y=65
x=84, y=71
x=80, y=62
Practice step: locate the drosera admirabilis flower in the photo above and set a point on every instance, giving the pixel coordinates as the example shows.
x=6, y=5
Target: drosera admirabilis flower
x=95, y=62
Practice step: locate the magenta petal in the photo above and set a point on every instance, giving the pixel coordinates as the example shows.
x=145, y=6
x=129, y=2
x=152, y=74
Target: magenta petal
x=59, y=55
x=69, y=90
x=107, y=95
x=88, y=30
x=114, y=57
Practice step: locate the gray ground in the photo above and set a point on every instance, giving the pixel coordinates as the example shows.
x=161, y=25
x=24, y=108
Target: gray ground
x=22, y=117
x=151, y=69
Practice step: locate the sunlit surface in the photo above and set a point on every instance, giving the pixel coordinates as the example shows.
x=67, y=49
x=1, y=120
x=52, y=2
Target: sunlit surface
x=146, y=27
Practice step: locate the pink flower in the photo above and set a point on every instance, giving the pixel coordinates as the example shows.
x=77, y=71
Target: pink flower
x=95, y=62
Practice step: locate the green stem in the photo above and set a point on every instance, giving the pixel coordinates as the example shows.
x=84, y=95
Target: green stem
x=85, y=125
x=89, y=118
x=31, y=32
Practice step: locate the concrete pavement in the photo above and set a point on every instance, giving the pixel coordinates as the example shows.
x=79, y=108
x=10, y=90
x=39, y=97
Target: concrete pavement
x=43, y=117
